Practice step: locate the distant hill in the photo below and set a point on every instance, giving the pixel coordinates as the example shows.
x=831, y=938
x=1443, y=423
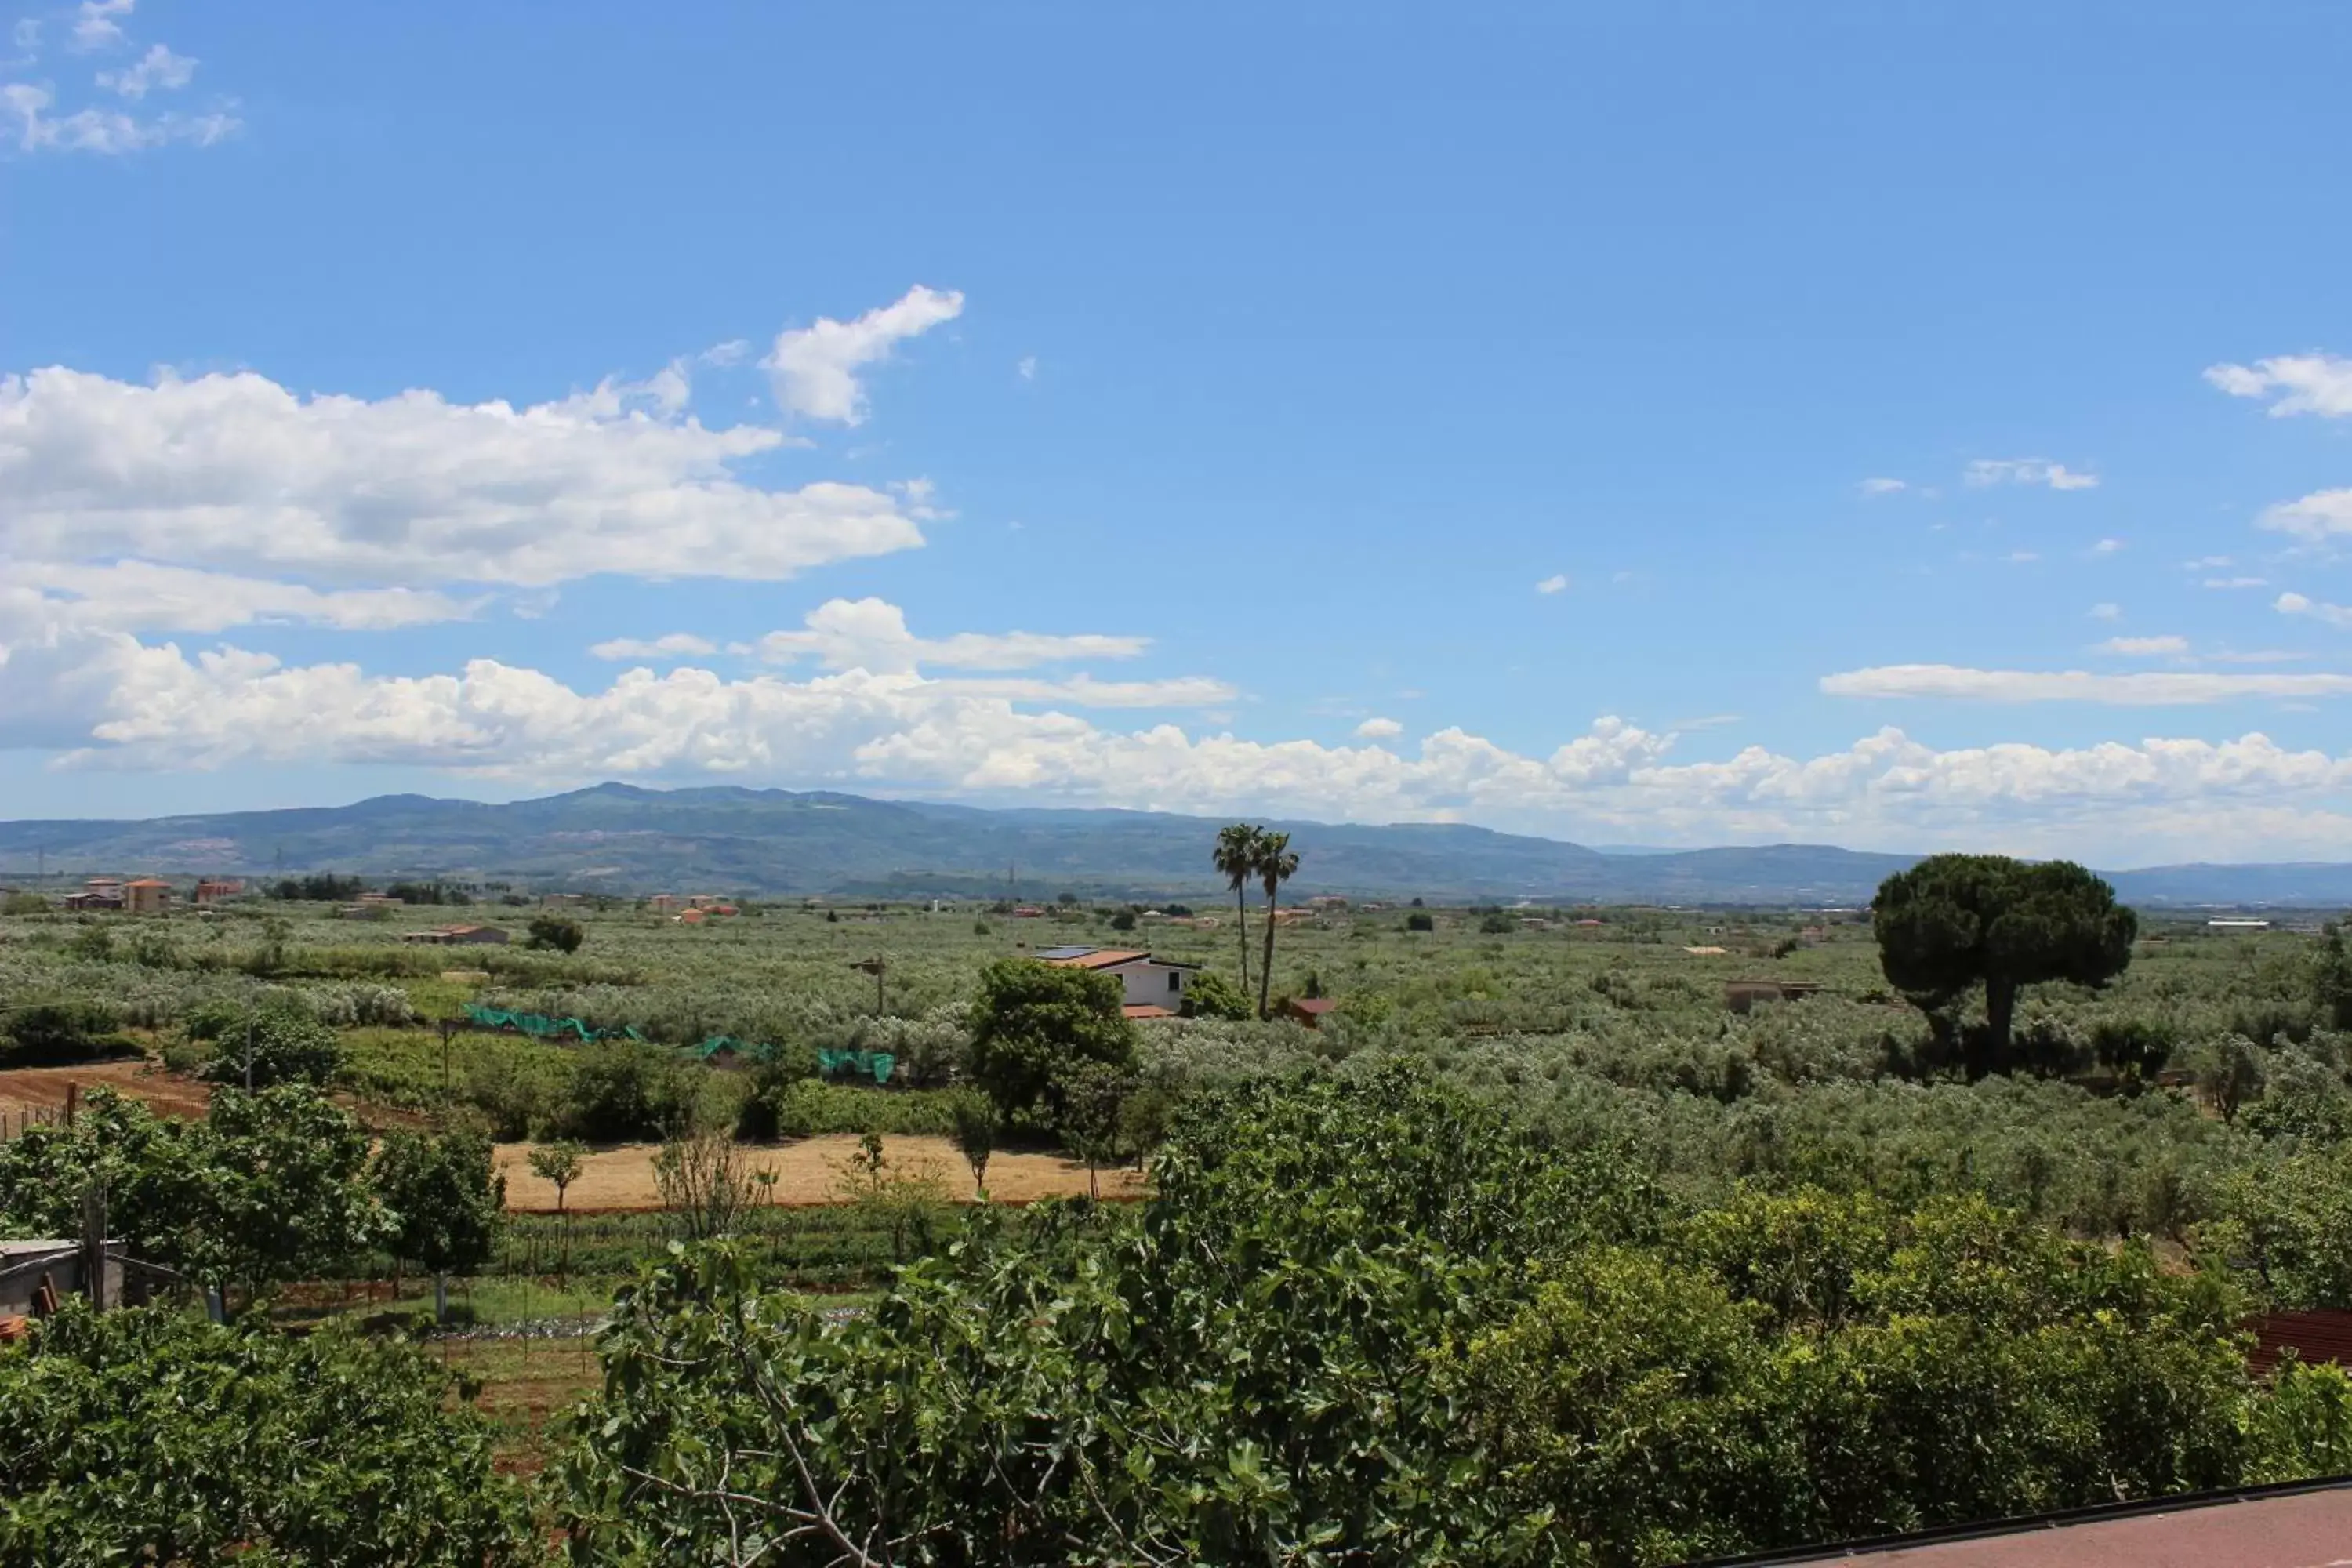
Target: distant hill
x=624, y=839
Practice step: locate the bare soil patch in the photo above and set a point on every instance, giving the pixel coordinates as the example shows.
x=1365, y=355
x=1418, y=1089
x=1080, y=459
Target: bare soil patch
x=620, y=1178
x=43, y=1089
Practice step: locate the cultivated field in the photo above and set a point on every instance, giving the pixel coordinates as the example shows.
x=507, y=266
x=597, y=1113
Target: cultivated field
x=621, y=1179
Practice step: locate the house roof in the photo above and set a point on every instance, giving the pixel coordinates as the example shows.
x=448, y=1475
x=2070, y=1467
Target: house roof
x=1144, y=1010
x=148, y=882
x=1314, y=1005
x=1105, y=958
x=2299, y=1525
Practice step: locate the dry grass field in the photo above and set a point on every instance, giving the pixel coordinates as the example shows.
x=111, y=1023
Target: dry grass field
x=620, y=1179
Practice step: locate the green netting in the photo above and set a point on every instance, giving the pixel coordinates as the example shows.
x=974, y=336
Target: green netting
x=857, y=1063
x=538, y=1026
x=757, y=1050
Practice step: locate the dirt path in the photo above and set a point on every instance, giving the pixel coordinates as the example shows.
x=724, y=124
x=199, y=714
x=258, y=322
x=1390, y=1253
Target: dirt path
x=809, y=1171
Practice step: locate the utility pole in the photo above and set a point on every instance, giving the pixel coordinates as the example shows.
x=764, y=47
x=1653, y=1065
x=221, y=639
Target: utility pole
x=449, y=1027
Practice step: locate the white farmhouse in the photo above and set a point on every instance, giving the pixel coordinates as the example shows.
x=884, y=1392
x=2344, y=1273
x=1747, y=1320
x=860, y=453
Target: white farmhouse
x=1155, y=986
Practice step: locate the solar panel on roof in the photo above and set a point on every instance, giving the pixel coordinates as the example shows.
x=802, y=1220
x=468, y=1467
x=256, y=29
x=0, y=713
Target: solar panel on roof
x=1066, y=951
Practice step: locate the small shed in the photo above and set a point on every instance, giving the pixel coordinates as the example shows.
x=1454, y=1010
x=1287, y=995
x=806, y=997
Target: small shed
x=1308, y=1010
x=35, y=1276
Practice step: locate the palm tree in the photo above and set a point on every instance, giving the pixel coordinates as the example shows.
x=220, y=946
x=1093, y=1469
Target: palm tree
x=1237, y=857
x=1277, y=862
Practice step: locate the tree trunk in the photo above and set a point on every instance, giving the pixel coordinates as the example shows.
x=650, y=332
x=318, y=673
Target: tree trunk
x=440, y=1299
x=1241, y=918
x=2001, y=1010
x=1266, y=970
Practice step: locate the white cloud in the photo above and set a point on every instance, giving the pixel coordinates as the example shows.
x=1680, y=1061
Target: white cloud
x=235, y=472
x=141, y=596
x=2106, y=547
x=871, y=634
x=2106, y=612
x=158, y=707
x=2296, y=605
x=1027, y=367
x=2137, y=690
x=2229, y=583
x=815, y=368
x=2208, y=562
x=2316, y=516
x=677, y=645
x=2304, y=383
x=2145, y=647
x=734, y=351
x=1555, y=584
x=158, y=67
x=29, y=116
x=2021, y=556
x=1879, y=487
x=2027, y=471
x=25, y=116
x=1379, y=729
x=95, y=27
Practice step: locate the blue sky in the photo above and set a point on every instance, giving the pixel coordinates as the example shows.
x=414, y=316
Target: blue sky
x=1380, y=412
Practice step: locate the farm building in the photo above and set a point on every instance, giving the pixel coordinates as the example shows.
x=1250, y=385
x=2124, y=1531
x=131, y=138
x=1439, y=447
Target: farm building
x=1150, y=982
x=457, y=936
x=1308, y=1010
x=218, y=889
x=146, y=896
x=36, y=1276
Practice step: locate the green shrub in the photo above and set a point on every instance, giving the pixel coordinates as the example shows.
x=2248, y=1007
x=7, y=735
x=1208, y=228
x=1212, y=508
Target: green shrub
x=282, y=1043
x=625, y=1090
x=40, y=1034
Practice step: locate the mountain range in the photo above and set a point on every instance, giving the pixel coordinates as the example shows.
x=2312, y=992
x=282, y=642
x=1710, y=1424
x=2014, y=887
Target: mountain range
x=624, y=839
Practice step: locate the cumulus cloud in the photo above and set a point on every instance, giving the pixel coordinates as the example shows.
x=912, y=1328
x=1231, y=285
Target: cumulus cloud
x=24, y=113
x=159, y=706
x=677, y=645
x=237, y=472
x=2106, y=612
x=871, y=634
x=142, y=595
x=95, y=25
x=31, y=119
x=1882, y=486
x=815, y=368
x=2106, y=547
x=158, y=67
x=1555, y=584
x=2145, y=647
x=2151, y=689
x=1379, y=729
x=2317, y=516
x=2296, y=384
x=2027, y=472
x=2296, y=605
x=2231, y=583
